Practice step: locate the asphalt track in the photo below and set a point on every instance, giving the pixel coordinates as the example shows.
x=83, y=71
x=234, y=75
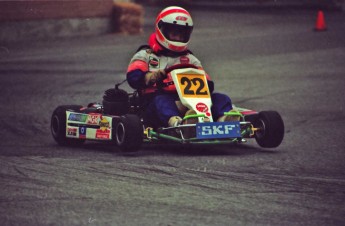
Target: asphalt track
x=265, y=60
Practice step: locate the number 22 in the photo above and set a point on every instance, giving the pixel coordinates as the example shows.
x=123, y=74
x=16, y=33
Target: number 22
x=198, y=82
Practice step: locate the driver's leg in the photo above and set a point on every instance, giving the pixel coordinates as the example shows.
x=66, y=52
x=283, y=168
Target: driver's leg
x=221, y=103
x=166, y=109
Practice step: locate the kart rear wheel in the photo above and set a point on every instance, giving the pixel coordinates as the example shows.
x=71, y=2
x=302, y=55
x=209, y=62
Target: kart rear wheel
x=58, y=126
x=271, y=129
x=128, y=133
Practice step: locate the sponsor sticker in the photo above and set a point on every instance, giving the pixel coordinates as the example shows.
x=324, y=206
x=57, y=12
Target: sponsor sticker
x=211, y=130
x=72, y=132
x=182, y=18
x=103, y=134
x=184, y=60
x=201, y=107
x=104, y=124
x=77, y=117
x=94, y=118
x=82, y=132
x=153, y=62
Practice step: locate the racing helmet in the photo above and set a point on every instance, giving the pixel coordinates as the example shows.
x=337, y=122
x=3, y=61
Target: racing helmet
x=174, y=25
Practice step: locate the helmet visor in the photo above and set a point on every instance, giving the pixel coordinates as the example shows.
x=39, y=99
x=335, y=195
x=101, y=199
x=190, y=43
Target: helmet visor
x=176, y=32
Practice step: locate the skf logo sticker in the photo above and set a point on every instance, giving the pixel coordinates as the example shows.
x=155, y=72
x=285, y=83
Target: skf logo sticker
x=218, y=130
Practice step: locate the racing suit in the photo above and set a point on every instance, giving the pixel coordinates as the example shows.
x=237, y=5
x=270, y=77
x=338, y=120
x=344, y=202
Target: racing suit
x=160, y=104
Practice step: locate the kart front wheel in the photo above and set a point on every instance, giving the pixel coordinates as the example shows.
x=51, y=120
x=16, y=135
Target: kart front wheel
x=128, y=133
x=58, y=126
x=271, y=129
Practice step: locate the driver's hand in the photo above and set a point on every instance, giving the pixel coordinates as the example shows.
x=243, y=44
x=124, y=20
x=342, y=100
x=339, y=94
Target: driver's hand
x=153, y=77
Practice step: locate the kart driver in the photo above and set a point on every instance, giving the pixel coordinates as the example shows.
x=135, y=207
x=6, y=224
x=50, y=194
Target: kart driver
x=168, y=46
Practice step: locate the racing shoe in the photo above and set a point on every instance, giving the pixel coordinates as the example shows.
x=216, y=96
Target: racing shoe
x=232, y=116
x=189, y=132
x=175, y=121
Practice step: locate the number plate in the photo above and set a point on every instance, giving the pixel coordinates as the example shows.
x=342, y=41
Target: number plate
x=209, y=130
x=193, y=85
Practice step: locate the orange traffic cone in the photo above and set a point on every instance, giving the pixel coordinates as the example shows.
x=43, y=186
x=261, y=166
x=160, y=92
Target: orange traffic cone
x=320, y=24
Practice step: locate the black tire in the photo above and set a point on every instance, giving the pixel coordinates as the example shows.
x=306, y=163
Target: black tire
x=271, y=129
x=128, y=132
x=58, y=126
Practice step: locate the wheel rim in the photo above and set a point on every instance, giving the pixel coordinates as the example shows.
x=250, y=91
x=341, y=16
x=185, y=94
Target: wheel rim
x=120, y=133
x=55, y=126
x=262, y=128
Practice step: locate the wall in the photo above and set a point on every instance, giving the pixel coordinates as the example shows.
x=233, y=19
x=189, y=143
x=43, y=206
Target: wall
x=53, y=9
x=47, y=19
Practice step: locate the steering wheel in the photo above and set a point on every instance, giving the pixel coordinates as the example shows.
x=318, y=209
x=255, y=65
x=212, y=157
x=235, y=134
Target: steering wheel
x=179, y=66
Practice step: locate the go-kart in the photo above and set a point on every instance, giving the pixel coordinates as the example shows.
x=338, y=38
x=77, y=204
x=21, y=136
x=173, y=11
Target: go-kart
x=118, y=119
